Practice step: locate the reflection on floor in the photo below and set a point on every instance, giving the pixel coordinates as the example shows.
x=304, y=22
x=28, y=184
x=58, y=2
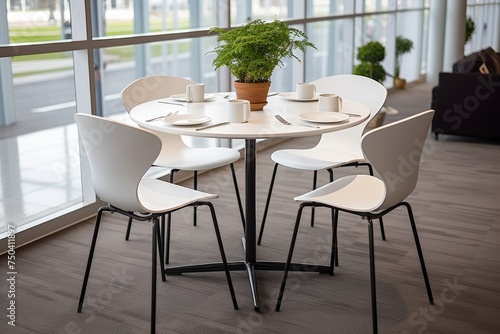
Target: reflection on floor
x=40, y=175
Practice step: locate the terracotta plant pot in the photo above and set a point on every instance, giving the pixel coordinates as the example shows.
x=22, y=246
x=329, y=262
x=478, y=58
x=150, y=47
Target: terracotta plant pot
x=399, y=83
x=256, y=93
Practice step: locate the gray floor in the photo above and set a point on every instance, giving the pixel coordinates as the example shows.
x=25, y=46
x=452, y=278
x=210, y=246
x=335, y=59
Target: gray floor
x=456, y=208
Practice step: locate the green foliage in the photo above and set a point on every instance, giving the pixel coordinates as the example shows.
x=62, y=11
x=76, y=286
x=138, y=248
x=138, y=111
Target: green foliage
x=403, y=45
x=470, y=27
x=372, y=52
x=371, y=70
x=370, y=55
x=253, y=51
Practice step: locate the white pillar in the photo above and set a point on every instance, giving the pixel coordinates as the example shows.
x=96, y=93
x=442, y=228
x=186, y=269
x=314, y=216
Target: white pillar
x=496, y=30
x=437, y=19
x=455, y=33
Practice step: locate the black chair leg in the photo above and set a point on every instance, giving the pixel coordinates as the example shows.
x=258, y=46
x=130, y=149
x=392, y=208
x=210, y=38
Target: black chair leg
x=289, y=259
x=372, y=276
x=195, y=207
x=335, y=249
x=335, y=256
x=382, y=229
x=153, y=276
x=169, y=221
x=222, y=253
x=313, y=209
x=267, y=204
x=159, y=237
x=129, y=226
x=420, y=254
x=91, y=255
x=238, y=197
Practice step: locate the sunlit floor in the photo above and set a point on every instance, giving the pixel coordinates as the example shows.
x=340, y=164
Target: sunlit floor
x=40, y=174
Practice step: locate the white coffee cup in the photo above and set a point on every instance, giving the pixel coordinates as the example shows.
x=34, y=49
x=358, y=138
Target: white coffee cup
x=195, y=92
x=330, y=102
x=305, y=91
x=238, y=111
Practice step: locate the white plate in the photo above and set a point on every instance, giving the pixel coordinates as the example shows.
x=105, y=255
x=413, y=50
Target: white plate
x=324, y=117
x=182, y=97
x=187, y=119
x=292, y=96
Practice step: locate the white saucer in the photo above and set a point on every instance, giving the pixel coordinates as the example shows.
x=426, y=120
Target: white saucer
x=182, y=97
x=324, y=117
x=292, y=96
x=187, y=119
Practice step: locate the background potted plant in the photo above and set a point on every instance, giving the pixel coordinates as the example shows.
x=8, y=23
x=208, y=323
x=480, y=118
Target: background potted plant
x=370, y=56
x=403, y=45
x=470, y=27
x=252, y=52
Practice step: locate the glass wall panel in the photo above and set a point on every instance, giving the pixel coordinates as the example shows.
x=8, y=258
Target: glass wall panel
x=39, y=161
x=243, y=11
x=120, y=17
x=38, y=21
x=410, y=4
x=44, y=94
x=187, y=58
x=370, y=6
x=335, y=53
x=410, y=65
x=329, y=7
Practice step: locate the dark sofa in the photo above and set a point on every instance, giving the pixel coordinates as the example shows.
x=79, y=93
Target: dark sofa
x=468, y=104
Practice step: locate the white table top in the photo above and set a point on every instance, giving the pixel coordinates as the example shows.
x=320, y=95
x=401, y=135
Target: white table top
x=262, y=124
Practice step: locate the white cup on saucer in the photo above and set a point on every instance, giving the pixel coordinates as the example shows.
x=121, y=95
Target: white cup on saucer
x=195, y=92
x=305, y=91
x=238, y=111
x=330, y=102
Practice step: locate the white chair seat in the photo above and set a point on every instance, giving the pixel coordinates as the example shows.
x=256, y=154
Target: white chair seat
x=160, y=196
x=193, y=159
x=360, y=193
x=317, y=158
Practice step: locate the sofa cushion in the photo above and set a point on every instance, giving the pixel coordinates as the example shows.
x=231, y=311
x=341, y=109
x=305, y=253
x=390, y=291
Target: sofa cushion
x=472, y=63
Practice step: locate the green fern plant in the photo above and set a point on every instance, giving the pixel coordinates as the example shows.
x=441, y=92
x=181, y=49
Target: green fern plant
x=253, y=51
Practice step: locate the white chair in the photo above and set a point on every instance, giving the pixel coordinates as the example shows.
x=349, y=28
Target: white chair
x=175, y=154
x=394, y=151
x=335, y=149
x=118, y=179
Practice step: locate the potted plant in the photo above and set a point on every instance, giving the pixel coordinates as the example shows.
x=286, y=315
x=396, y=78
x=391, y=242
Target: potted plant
x=470, y=27
x=403, y=45
x=252, y=52
x=370, y=56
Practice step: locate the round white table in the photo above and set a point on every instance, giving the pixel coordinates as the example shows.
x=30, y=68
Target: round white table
x=261, y=125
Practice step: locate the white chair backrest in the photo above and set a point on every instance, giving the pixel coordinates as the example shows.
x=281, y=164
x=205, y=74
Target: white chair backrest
x=394, y=150
x=353, y=87
x=119, y=156
x=151, y=88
